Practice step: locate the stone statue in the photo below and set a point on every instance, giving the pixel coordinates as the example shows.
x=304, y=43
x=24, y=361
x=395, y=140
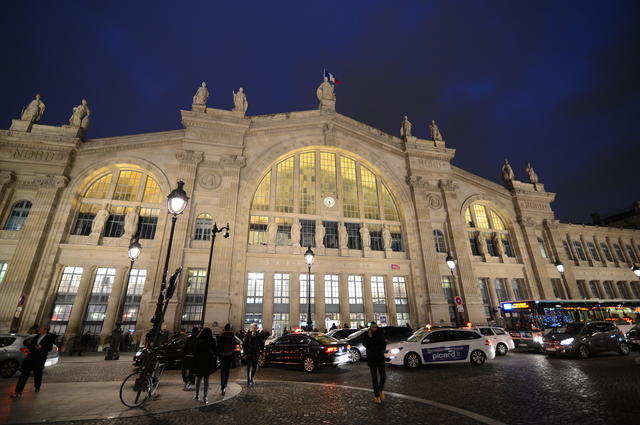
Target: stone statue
x=80, y=116
x=325, y=94
x=435, y=132
x=131, y=223
x=344, y=236
x=295, y=232
x=272, y=230
x=240, y=103
x=201, y=96
x=405, y=129
x=364, y=235
x=34, y=111
x=386, y=237
x=533, y=177
x=99, y=221
x=497, y=241
x=320, y=232
x=507, y=172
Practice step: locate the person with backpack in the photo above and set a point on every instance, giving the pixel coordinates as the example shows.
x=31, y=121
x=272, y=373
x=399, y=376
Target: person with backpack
x=205, y=362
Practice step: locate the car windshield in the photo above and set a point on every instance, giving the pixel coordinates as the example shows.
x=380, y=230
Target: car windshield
x=568, y=329
x=416, y=336
x=357, y=334
x=324, y=339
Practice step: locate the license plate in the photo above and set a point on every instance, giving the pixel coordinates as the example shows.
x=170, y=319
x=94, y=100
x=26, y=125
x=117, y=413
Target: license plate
x=522, y=345
x=550, y=348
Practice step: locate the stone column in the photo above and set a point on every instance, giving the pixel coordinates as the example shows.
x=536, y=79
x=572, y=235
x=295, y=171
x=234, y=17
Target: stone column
x=294, y=300
x=368, y=301
x=390, y=299
x=115, y=298
x=6, y=178
x=80, y=303
x=267, y=302
x=495, y=303
x=344, y=298
x=509, y=288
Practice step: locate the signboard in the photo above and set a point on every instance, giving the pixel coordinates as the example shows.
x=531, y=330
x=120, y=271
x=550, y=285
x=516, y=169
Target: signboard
x=395, y=267
x=383, y=319
x=458, y=300
x=443, y=354
x=515, y=306
x=460, y=309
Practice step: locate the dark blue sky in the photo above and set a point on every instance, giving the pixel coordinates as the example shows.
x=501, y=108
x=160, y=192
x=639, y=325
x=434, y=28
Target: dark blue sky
x=555, y=83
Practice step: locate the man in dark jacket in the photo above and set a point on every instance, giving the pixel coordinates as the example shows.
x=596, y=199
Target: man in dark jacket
x=188, y=359
x=226, y=348
x=252, y=347
x=38, y=345
x=376, y=345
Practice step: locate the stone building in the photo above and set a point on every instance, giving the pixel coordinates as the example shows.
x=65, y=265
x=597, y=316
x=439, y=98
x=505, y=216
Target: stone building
x=380, y=212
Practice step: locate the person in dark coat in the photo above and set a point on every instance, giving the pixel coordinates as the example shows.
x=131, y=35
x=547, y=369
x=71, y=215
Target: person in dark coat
x=376, y=345
x=38, y=345
x=252, y=346
x=205, y=362
x=188, y=359
x=226, y=347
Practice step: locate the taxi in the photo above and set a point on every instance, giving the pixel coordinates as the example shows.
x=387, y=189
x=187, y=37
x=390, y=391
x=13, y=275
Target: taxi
x=441, y=346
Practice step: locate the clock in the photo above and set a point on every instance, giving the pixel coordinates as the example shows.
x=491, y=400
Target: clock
x=329, y=201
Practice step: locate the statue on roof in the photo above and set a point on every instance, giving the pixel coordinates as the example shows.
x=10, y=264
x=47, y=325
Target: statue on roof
x=201, y=96
x=507, y=172
x=434, y=131
x=533, y=177
x=325, y=95
x=80, y=116
x=405, y=128
x=34, y=111
x=240, y=103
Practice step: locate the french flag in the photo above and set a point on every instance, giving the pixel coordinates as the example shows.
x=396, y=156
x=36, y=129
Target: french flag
x=331, y=77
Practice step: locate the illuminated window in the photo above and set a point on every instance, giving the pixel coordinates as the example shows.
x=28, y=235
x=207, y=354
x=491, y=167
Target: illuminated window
x=67, y=290
x=18, y=215
x=99, y=299
x=284, y=186
x=308, y=183
x=375, y=234
x=467, y=218
x=283, y=235
x=447, y=289
x=328, y=173
x=496, y=221
x=402, y=319
x=261, y=198
x=490, y=241
x=354, y=241
x=308, y=233
x=377, y=290
x=204, y=223
x=99, y=189
x=114, y=228
x=128, y=185
x=280, y=322
x=332, y=289
x=501, y=289
x=103, y=281
x=255, y=288
x=70, y=280
x=481, y=216
x=330, y=234
x=281, y=288
x=370, y=194
x=349, y=188
x=84, y=219
x=304, y=290
x=147, y=223
x=152, y=192
x=258, y=230
x=508, y=247
x=400, y=290
x=389, y=206
x=356, y=320
x=519, y=290
x=133, y=297
x=354, y=284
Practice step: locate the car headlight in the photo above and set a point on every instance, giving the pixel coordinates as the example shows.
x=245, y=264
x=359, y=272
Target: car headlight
x=567, y=341
x=138, y=353
x=395, y=350
x=538, y=339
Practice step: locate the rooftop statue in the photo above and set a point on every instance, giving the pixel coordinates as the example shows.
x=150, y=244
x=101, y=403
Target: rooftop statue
x=240, y=103
x=435, y=132
x=405, y=129
x=201, y=96
x=34, y=111
x=325, y=94
x=507, y=172
x=80, y=116
x=533, y=177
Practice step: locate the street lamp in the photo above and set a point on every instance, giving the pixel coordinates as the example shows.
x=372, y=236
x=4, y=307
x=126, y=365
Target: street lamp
x=560, y=268
x=214, y=231
x=308, y=258
x=176, y=204
x=451, y=263
x=635, y=269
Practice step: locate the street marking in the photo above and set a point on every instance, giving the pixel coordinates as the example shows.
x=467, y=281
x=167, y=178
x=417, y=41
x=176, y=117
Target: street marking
x=463, y=412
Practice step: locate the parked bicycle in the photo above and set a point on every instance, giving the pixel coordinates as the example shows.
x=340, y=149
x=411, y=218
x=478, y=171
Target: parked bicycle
x=143, y=383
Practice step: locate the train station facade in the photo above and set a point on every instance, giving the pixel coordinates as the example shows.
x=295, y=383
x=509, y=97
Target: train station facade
x=380, y=212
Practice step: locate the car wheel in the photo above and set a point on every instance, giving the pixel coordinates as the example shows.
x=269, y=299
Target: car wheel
x=354, y=355
x=309, y=364
x=478, y=358
x=262, y=360
x=412, y=360
x=624, y=349
x=501, y=349
x=583, y=352
x=8, y=368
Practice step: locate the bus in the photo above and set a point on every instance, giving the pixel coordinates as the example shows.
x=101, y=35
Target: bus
x=527, y=321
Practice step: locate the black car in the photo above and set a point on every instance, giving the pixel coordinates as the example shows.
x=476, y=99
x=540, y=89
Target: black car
x=309, y=349
x=583, y=339
x=341, y=333
x=172, y=352
x=633, y=337
x=392, y=334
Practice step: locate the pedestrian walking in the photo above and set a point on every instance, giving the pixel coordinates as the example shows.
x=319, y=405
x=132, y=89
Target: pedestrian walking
x=205, y=362
x=226, y=347
x=189, y=359
x=85, y=341
x=252, y=347
x=38, y=346
x=115, y=341
x=376, y=345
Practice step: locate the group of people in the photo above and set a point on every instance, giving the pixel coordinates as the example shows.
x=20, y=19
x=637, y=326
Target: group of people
x=201, y=353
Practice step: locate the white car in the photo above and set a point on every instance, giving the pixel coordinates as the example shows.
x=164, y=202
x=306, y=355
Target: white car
x=441, y=346
x=500, y=338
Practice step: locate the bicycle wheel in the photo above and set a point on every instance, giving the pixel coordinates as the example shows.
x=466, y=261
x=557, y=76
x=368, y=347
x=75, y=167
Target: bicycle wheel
x=155, y=377
x=135, y=389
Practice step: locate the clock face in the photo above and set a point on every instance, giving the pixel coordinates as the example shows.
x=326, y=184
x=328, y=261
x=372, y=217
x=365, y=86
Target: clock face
x=329, y=201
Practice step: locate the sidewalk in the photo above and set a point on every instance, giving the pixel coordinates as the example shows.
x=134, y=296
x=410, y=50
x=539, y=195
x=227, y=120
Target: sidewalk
x=67, y=401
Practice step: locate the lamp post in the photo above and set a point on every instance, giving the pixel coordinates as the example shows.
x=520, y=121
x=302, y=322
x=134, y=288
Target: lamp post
x=635, y=269
x=133, y=252
x=308, y=258
x=214, y=231
x=176, y=204
x=451, y=263
x=560, y=268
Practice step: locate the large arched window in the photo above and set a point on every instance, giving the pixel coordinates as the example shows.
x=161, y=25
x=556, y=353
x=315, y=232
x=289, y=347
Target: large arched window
x=18, y=215
x=485, y=225
x=122, y=190
x=204, y=223
x=320, y=192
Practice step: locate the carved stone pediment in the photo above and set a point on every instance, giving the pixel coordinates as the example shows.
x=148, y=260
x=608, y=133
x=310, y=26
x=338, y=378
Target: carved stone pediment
x=190, y=157
x=448, y=185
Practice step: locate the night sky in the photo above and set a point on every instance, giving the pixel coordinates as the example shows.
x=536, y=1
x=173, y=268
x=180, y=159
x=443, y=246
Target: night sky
x=555, y=83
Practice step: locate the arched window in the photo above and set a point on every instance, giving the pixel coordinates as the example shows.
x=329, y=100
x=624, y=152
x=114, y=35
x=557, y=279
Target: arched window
x=438, y=238
x=18, y=215
x=204, y=223
x=317, y=193
x=121, y=190
x=491, y=229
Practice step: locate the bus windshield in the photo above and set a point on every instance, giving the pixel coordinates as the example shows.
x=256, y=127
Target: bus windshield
x=569, y=329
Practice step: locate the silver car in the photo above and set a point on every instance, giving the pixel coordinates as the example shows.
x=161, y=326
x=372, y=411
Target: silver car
x=13, y=353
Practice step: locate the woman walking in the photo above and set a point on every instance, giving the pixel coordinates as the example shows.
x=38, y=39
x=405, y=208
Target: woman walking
x=205, y=362
x=227, y=345
x=375, y=344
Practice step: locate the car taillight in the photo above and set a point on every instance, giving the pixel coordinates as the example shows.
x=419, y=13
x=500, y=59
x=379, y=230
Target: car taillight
x=487, y=342
x=24, y=350
x=330, y=350
x=237, y=347
x=57, y=349
x=348, y=347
